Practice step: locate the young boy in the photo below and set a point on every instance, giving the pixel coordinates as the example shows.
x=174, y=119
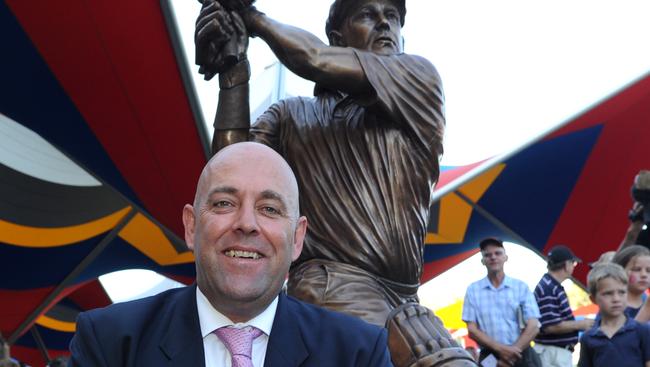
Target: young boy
x=615, y=340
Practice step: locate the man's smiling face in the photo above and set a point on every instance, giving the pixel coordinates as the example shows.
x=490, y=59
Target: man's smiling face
x=244, y=229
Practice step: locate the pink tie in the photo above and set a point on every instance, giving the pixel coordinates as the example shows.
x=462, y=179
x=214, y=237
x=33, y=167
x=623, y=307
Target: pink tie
x=239, y=343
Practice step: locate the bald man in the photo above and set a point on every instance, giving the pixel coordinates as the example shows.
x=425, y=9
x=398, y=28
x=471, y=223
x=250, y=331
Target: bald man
x=245, y=230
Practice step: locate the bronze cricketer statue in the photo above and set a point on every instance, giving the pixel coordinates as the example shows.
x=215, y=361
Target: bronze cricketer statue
x=365, y=150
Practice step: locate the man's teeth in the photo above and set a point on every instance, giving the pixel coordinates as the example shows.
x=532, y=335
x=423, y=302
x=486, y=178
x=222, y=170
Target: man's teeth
x=244, y=254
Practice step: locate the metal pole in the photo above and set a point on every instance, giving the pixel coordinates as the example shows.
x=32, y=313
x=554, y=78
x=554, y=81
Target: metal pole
x=72, y=276
x=41, y=344
x=492, y=219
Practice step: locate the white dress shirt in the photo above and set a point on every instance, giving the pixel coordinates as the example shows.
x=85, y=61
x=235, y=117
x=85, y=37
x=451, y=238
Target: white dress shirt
x=216, y=354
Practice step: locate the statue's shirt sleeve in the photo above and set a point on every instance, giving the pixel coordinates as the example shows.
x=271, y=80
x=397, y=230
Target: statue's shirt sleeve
x=408, y=88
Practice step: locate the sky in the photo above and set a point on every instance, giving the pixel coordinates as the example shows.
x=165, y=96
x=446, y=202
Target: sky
x=512, y=70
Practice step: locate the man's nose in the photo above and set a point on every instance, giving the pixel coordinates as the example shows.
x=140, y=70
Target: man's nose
x=382, y=22
x=246, y=221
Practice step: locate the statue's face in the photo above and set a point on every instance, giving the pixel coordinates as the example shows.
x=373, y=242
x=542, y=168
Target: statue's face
x=373, y=25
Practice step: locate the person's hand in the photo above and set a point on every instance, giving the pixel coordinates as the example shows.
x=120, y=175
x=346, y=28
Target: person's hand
x=636, y=213
x=509, y=354
x=641, y=192
x=585, y=324
x=217, y=39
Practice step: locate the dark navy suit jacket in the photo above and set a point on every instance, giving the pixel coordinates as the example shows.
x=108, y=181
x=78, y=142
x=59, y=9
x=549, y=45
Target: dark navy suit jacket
x=164, y=330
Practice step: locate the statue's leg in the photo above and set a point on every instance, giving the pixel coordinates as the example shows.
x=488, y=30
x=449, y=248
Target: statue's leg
x=416, y=337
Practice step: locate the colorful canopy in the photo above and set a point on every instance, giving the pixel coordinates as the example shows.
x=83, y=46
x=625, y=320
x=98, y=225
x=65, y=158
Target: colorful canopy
x=90, y=84
x=571, y=187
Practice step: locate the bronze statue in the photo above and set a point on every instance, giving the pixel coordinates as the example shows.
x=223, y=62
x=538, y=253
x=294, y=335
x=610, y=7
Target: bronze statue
x=365, y=151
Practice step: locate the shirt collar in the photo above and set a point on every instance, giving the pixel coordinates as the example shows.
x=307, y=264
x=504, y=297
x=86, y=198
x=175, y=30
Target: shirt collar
x=210, y=319
x=553, y=280
x=628, y=325
x=507, y=282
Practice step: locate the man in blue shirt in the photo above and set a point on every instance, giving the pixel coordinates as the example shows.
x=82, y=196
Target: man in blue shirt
x=559, y=331
x=494, y=307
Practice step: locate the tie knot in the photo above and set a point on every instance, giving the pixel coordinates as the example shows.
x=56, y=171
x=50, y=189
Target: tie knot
x=239, y=342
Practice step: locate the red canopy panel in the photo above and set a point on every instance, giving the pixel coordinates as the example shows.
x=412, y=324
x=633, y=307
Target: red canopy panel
x=115, y=61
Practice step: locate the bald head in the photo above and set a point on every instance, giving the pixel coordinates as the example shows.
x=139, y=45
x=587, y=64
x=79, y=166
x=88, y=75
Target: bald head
x=257, y=162
x=244, y=228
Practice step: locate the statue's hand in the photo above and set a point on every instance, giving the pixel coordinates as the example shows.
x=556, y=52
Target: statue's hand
x=237, y=5
x=214, y=30
x=235, y=69
x=240, y=37
x=232, y=64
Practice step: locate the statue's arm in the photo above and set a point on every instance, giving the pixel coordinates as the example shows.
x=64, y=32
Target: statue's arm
x=232, y=121
x=215, y=28
x=307, y=56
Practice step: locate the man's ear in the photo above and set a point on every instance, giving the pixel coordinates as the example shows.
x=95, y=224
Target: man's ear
x=188, y=223
x=336, y=39
x=299, y=237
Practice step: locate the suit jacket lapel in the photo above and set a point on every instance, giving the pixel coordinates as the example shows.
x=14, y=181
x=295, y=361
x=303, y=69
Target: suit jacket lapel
x=286, y=345
x=183, y=342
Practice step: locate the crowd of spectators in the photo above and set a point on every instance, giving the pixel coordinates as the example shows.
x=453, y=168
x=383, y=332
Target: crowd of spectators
x=504, y=317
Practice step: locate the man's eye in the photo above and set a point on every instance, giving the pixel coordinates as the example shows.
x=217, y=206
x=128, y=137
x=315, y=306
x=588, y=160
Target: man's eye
x=365, y=14
x=270, y=210
x=221, y=204
x=392, y=16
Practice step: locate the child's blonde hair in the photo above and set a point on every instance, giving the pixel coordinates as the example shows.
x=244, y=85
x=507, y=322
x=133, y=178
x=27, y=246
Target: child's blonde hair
x=626, y=255
x=605, y=257
x=604, y=271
